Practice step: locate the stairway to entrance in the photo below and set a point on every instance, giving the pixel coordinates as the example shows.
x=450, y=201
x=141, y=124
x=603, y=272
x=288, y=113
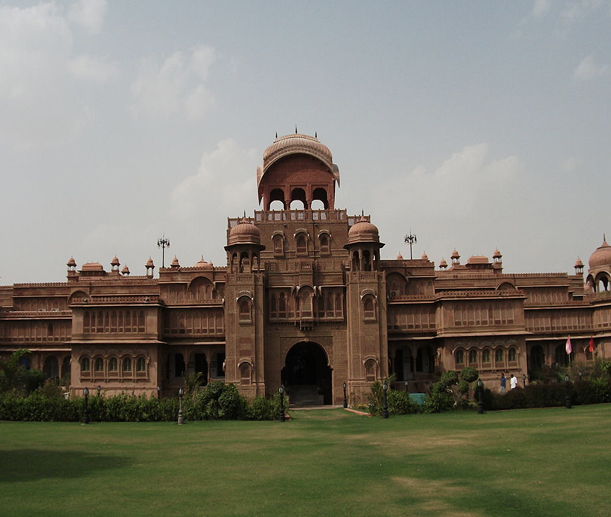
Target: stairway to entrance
x=305, y=395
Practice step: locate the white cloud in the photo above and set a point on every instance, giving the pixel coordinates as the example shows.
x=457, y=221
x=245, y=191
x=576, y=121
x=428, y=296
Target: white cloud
x=39, y=99
x=570, y=164
x=541, y=8
x=176, y=86
x=224, y=186
x=588, y=69
x=35, y=43
x=89, y=14
x=88, y=68
x=468, y=196
x=575, y=10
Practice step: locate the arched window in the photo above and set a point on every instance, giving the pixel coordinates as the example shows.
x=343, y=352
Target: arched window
x=302, y=247
x=512, y=356
x=99, y=364
x=112, y=365
x=141, y=364
x=473, y=357
x=324, y=244
x=245, y=374
x=85, y=365
x=282, y=311
x=370, y=370
x=459, y=358
x=369, y=312
x=486, y=356
x=305, y=303
x=499, y=357
x=244, y=309
x=278, y=245
x=127, y=365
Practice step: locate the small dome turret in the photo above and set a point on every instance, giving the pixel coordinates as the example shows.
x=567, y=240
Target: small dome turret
x=363, y=231
x=244, y=233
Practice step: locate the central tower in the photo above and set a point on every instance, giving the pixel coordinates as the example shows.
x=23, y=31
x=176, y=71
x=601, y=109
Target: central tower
x=303, y=284
x=297, y=168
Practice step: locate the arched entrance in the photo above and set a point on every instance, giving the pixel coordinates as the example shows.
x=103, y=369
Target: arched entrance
x=307, y=375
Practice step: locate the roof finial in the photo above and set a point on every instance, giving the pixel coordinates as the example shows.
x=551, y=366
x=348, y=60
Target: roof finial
x=276, y=135
x=604, y=238
x=295, y=128
x=315, y=134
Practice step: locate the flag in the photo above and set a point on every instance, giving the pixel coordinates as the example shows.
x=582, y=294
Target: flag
x=569, y=347
x=591, y=347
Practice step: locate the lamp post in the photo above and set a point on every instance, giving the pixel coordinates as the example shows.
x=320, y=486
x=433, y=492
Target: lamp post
x=85, y=412
x=410, y=239
x=524, y=379
x=181, y=416
x=345, y=398
x=163, y=243
x=281, y=415
x=385, y=407
x=480, y=397
x=158, y=392
x=568, y=391
x=99, y=388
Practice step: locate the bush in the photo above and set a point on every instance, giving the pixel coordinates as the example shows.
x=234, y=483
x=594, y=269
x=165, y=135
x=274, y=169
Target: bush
x=593, y=391
x=263, y=408
x=399, y=403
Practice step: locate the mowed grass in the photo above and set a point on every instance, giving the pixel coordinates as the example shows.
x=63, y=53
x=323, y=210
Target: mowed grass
x=548, y=462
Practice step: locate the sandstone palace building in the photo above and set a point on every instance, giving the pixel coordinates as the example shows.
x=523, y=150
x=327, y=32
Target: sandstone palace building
x=305, y=300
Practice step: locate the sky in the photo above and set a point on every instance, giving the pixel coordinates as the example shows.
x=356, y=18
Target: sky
x=473, y=125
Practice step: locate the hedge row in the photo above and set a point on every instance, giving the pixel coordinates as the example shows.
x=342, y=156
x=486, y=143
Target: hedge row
x=218, y=401
x=595, y=391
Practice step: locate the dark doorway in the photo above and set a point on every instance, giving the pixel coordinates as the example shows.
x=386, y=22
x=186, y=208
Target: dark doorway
x=201, y=366
x=51, y=368
x=307, y=375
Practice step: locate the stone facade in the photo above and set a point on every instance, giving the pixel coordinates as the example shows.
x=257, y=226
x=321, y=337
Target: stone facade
x=305, y=300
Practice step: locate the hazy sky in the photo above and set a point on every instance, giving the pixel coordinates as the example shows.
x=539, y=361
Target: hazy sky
x=476, y=125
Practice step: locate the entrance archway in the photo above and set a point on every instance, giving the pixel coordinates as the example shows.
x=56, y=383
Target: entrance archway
x=307, y=375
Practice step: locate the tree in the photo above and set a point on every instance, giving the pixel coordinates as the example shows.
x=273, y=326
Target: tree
x=14, y=376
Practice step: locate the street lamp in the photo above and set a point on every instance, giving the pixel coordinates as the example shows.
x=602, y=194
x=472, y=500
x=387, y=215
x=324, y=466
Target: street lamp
x=568, y=391
x=85, y=412
x=281, y=415
x=524, y=379
x=99, y=388
x=480, y=397
x=345, y=398
x=159, y=392
x=163, y=243
x=385, y=407
x=181, y=416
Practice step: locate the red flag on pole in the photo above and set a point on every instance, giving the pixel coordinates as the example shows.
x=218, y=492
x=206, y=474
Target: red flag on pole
x=569, y=347
x=591, y=347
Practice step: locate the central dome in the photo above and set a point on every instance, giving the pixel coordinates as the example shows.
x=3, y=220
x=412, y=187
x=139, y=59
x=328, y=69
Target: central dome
x=296, y=143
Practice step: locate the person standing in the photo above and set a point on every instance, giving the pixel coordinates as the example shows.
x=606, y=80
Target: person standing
x=513, y=382
x=503, y=383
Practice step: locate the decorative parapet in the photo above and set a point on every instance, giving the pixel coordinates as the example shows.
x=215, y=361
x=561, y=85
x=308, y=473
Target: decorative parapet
x=475, y=293
x=113, y=300
x=36, y=314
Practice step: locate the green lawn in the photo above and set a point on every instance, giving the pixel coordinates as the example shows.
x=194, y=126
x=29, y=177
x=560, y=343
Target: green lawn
x=547, y=462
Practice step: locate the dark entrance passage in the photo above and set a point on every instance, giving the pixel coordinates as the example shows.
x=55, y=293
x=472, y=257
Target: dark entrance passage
x=307, y=376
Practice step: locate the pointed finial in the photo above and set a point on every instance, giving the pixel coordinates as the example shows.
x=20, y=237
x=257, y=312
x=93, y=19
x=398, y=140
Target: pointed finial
x=295, y=128
x=276, y=135
x=315, y=134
